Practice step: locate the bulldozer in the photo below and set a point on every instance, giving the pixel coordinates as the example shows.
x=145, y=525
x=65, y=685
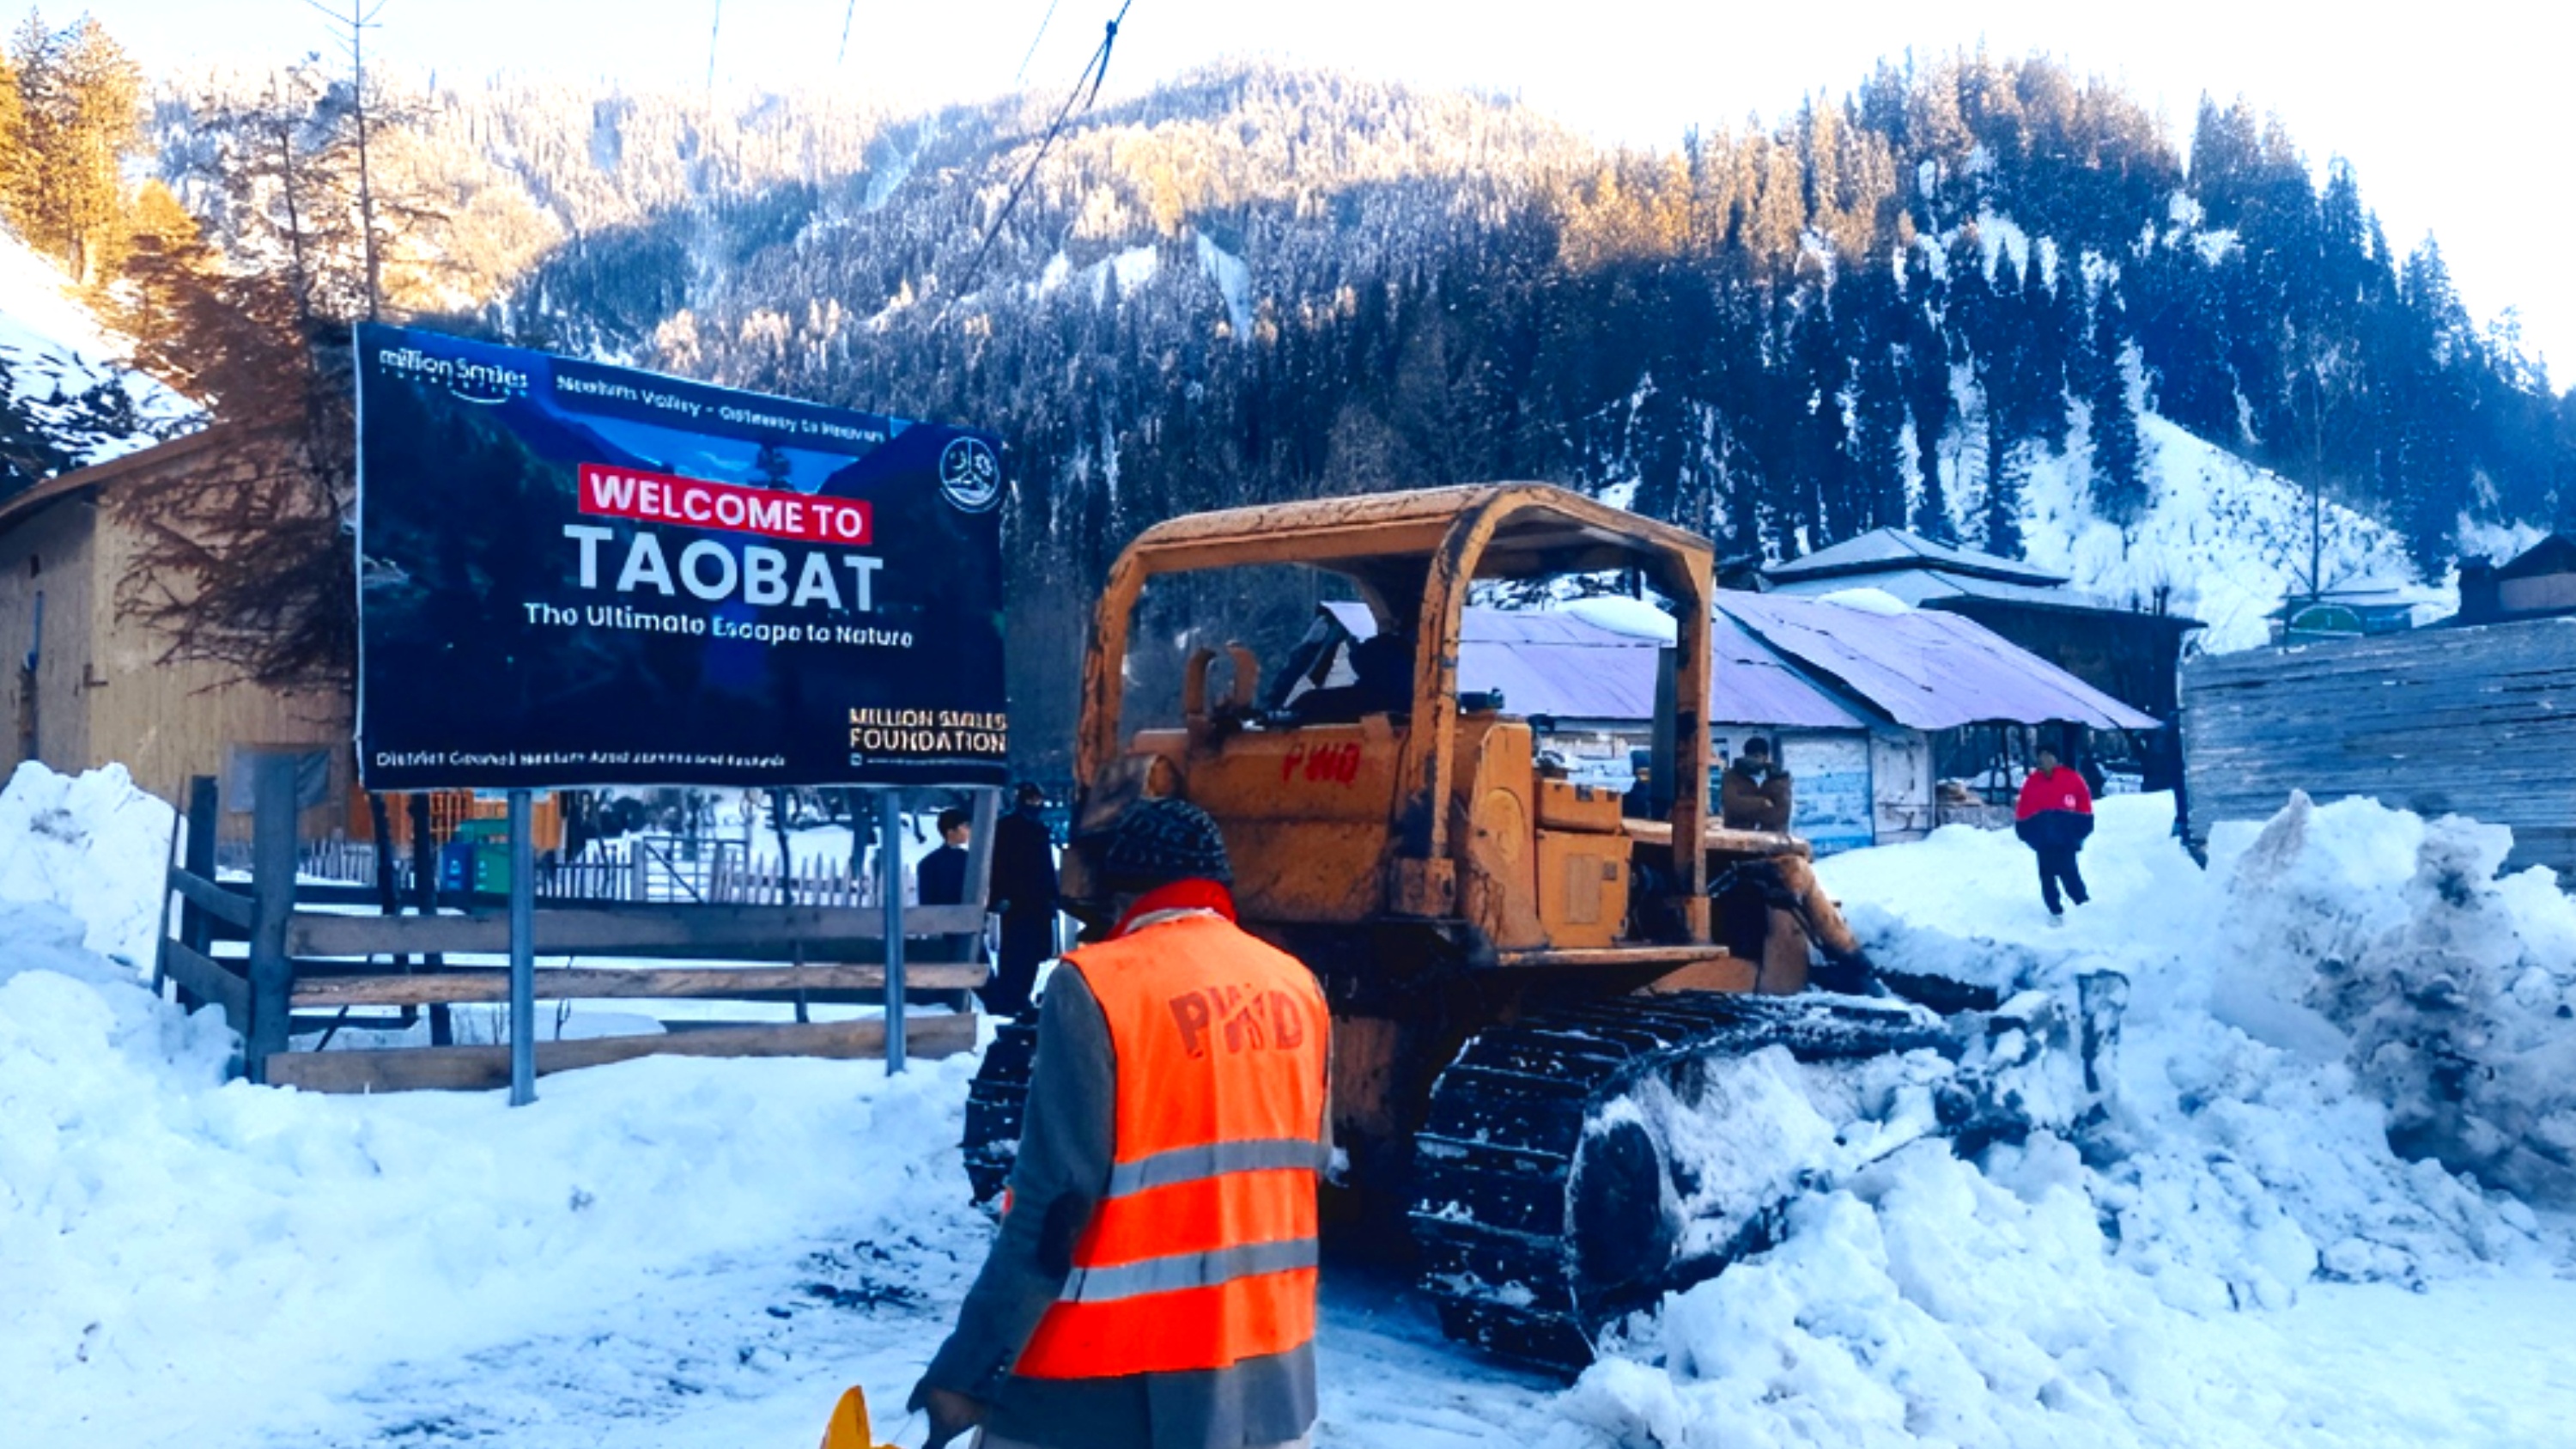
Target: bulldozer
x=1569, y=1047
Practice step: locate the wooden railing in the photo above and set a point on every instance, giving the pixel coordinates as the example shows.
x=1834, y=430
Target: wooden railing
x=721, y=872
x=295, y=958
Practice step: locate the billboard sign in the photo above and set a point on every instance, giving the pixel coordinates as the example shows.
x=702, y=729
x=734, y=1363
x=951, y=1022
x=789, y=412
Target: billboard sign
x=574, y=574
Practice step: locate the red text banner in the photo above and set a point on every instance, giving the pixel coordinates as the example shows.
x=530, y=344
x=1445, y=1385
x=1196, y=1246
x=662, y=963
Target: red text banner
x=630, y=493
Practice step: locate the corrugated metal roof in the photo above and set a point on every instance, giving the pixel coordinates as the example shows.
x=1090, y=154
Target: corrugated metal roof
x=1755, y=687
x=1554, y=663
x=1927, y=668
x=1894, y=548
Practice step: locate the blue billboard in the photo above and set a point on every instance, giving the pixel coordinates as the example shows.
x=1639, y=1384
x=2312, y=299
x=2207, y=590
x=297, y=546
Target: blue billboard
x=574, y=574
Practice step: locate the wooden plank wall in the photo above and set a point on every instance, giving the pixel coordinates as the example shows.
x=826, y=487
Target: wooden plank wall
x=2477, y=721
x=50, y=553
x=167, y=719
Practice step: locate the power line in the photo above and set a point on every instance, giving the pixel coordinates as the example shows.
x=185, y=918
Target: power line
x=715, y=27
x=847, y=15
x=1094, y=72
x=1043, y=22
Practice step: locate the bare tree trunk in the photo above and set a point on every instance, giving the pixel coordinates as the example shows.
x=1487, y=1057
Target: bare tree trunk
x=358, y=24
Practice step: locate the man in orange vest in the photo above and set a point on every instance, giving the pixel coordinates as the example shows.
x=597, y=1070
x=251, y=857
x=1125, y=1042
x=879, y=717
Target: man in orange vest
x=1153, y=1284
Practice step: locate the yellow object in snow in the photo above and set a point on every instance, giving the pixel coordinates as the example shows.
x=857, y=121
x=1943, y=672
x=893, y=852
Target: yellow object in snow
x=849, y=1427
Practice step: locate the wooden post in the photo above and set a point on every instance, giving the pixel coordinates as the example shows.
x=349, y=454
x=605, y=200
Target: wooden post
x=161, y=919
x=424, y=899
x=196, y=928
x=979, y=850
x=523, y=951
x=272, y=854
x=890, y=884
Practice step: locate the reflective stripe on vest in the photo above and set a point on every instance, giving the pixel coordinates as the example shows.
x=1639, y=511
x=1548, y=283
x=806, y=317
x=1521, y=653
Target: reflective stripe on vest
x=1202, y=1253
x=1189, y=1164
x=1187, y=1270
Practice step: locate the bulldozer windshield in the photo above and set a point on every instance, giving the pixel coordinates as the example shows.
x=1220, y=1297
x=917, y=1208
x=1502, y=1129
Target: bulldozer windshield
x=1410, y=560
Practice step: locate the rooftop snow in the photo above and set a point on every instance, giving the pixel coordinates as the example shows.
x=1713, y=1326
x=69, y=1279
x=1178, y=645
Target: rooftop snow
x=1894, y=548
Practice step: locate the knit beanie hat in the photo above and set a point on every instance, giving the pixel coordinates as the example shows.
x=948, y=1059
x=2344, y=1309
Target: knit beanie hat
x=1156, y=841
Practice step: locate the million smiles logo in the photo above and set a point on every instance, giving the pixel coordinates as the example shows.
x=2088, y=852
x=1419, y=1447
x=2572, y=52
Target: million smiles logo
x=463, y=377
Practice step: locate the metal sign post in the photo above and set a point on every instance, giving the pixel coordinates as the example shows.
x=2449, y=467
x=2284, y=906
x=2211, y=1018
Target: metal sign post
x=890, y=891
x=523, y=951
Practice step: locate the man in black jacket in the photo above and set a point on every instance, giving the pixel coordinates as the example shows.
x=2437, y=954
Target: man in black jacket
x=1024, y=893
x=942, y=880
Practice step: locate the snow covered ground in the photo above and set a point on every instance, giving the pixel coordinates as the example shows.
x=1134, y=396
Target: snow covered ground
x=696, y=1254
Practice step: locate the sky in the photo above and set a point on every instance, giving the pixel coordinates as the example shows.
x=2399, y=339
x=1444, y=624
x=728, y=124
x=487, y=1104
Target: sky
x=2440, y=109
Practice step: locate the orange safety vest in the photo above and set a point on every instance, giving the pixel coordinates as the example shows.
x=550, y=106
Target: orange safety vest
x=1202, y=1251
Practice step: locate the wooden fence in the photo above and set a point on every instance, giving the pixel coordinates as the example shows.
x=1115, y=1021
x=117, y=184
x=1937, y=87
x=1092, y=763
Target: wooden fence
x=292, y=959
x=717, y=872
x=2477, y=721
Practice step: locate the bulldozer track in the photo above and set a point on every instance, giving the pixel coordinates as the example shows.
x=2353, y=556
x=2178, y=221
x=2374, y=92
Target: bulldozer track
x=1526, y=1215
x=996, y=1104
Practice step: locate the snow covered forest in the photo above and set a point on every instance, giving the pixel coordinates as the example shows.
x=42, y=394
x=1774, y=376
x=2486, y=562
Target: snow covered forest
x=1990, y=299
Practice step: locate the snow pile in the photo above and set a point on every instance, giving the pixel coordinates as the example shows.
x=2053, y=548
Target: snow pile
x=94, y=846
x=1927, y=1302
x=2390, y=942
x=2320, y=991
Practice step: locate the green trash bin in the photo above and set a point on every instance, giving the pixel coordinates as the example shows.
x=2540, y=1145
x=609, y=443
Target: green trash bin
x=489, y=840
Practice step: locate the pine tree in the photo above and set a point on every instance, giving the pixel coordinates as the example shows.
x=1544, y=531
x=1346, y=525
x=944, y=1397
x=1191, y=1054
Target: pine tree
x=15, y=158
x=1878, y=442
x=1927, y=398
x=2119, y=483
x=80, y=99
x=2051, y=327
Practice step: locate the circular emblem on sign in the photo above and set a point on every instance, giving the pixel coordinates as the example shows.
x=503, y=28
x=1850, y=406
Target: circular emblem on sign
x=970, y=475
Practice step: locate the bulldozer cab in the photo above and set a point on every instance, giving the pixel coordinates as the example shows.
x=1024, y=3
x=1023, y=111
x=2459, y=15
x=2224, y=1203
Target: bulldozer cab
x=1354, y=783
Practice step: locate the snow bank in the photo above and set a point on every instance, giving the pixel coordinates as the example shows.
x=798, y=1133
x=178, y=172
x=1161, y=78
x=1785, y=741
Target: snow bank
x=94, y=846
x=163, y=1229
x=2347, y=989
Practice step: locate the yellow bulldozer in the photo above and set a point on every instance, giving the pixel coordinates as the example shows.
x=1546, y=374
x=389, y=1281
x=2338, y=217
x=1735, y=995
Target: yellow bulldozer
x=1532, y=995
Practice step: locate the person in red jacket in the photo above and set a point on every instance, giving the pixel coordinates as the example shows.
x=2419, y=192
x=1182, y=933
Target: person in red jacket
x=2053, y=819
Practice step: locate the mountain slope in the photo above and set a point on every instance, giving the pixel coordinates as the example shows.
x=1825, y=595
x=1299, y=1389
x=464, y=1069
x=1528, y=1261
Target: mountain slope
x=66, y=398
x=2223, y=540
x=1919, y=304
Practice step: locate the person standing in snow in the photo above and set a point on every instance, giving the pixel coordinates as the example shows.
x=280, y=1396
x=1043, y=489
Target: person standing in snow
x=941, y=878
x=2054, y=818
x=1024, y=895
x=1153, y=1283
x=1755, y=794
